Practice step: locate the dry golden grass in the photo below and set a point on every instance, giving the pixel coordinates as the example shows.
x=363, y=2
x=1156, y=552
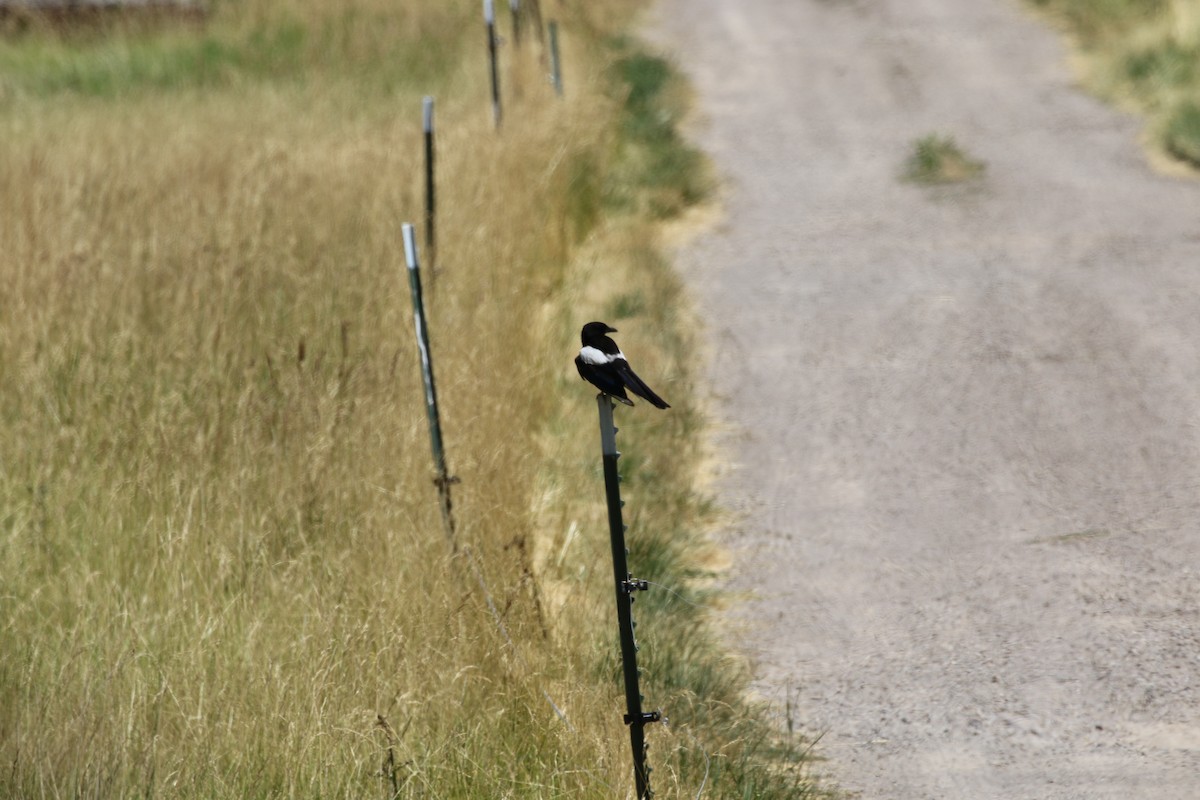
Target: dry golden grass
x=222, y=570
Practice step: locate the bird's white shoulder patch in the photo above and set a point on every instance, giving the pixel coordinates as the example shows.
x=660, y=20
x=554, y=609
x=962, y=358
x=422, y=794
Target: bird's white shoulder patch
x=595, y=357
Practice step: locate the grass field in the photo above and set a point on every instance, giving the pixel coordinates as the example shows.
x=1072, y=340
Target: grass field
x=222, y=571
x=1144, y=54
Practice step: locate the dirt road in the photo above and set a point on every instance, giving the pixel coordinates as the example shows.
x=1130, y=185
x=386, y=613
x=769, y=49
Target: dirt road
x=964, y=420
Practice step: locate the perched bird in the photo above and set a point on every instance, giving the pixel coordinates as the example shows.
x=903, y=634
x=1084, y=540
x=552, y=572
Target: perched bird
x=602, y=364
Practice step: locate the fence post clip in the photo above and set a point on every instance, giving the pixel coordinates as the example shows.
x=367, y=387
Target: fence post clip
x=634, y=585
x=646, y=716
x=442, y=481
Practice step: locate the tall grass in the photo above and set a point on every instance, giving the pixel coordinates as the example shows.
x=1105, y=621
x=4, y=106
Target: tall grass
x=221, y=566
x=1144, y=53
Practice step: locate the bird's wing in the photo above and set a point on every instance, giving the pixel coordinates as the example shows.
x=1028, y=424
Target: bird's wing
x=603, y=377
x=636, y=384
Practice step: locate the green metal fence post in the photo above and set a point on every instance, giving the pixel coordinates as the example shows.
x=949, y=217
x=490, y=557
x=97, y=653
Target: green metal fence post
x=626, y=587
x=555, y=63
x=443, y=479
x=489, y=17
x=430, y=190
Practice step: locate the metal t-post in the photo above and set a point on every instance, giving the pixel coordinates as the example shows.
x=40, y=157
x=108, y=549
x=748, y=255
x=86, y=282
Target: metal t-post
x=430, y=188
x=443, y=479
x=555, y=62
x=489, y=17
x=626, y=586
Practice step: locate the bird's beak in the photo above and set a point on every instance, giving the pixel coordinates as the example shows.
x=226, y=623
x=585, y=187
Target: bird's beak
x=610, y=329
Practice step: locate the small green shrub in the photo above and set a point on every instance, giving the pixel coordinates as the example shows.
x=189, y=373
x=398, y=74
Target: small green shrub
x=1169, y=66
x=938, y=159
x=630, y=304
x=1183, y=133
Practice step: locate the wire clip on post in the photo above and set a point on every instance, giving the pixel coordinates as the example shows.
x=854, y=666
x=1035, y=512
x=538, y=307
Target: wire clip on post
x=444, y=482
x=647, y=716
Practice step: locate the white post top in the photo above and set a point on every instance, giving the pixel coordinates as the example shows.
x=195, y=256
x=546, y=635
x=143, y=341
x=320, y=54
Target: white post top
x=489, y=11
x=427, y=106
x=410, y=245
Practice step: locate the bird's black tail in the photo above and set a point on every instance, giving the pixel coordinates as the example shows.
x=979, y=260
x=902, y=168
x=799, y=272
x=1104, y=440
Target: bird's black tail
x=639, y=387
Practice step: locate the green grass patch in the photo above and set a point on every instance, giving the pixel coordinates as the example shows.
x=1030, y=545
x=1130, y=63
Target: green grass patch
x=1182, y=135
x=666, y=174
x=939, y=159
x=376, y=49
x=584, y=200
x=1162, y=68
x=106, y=68
x=629, y=304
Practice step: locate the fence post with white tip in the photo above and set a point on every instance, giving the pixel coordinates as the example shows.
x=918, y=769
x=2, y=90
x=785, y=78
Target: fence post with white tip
x=555, y=62
x=443, y=479
x=489, y=17
x=626, y=587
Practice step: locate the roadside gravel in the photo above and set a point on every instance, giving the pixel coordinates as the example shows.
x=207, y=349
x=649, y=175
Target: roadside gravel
x=962, y=421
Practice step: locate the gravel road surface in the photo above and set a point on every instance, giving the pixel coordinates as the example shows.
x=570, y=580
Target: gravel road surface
x=962, y=421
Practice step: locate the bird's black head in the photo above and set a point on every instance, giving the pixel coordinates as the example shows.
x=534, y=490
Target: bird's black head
x=594, y=330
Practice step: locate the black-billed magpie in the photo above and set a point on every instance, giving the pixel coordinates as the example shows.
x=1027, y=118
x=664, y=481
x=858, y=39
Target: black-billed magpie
x=602, y=364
